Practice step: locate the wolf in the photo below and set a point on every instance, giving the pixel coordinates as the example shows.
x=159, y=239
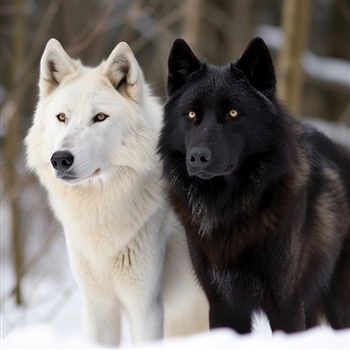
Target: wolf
x=92, y=145
x=264, y=198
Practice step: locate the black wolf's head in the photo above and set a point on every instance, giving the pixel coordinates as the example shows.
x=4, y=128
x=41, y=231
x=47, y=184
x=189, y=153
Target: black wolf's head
x=225, y=137
x=220, y=117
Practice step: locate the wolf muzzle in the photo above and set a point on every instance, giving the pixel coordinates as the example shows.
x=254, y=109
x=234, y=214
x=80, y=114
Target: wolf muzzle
x=62, y=160
x=199, y=157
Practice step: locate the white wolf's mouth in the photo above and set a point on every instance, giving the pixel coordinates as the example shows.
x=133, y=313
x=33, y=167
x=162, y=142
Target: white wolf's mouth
x=72, y=179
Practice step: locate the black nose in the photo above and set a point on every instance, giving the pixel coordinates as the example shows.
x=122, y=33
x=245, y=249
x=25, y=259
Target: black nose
x=62, y=160
x=199, y=157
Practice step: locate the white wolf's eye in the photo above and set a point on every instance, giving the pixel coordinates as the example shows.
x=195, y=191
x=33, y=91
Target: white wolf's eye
x=191, y=115
x=233, y=113
x=61, y=117
x=100, y=117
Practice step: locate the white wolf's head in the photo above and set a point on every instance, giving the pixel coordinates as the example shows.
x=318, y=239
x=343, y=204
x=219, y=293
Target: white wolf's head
x=92, y=122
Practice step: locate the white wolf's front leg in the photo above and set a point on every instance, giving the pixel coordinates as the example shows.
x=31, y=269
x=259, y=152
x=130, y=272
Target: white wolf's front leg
x=140, y=282
x=101, y=306
x=102, y=320
x=146, y=319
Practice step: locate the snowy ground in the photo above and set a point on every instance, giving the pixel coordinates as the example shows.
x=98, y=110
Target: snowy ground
x=51, y=315
x=64, y=332
x=46, y=337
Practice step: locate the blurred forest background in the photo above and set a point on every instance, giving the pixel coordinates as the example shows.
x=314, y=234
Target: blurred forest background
x=309, y=40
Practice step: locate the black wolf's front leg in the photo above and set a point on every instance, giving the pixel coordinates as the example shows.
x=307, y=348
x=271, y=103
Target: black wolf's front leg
x=289, y=316
x=222, y=314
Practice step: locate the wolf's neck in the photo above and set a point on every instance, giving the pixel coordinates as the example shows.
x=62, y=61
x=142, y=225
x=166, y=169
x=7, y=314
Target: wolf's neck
x=116, y=208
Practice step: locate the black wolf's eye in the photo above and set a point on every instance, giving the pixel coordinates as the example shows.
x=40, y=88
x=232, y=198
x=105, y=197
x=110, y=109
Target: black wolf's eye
x=233, y=113
x=61, y=117
x=191, y=115
x=100, y=117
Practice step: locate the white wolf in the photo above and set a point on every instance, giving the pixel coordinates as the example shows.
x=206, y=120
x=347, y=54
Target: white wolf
x=93, y=147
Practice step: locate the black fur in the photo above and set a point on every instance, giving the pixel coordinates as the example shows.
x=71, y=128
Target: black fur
x=264, y=198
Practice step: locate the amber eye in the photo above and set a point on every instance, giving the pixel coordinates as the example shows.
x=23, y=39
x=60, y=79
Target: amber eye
x=191, y=115
x=233, y=113
x=100, y=117
x=61, y=117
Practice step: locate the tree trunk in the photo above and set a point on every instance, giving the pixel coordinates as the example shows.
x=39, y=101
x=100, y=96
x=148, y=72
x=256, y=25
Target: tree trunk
x=295, y=24
x=240, y=30
x=12, y=141
x=192, y=25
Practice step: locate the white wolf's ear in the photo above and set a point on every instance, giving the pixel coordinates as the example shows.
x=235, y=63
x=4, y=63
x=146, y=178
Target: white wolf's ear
x=55, y=65
x=124, y=72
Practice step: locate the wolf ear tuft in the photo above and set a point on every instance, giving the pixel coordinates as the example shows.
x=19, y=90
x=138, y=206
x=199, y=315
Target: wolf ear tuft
x=55, y=65
x=124, y=72
x=182, y=62
x=256, y=63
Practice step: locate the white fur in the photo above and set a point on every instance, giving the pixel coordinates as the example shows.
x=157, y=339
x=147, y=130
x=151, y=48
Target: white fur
x=126, y=248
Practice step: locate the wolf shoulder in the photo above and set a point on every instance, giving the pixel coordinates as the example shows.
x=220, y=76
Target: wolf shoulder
x=328, y=148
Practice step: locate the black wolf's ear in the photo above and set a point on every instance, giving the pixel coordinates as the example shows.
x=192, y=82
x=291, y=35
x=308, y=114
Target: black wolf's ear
x=256, y=63
x=182, y=62
x=55, y=65
x=124, y=72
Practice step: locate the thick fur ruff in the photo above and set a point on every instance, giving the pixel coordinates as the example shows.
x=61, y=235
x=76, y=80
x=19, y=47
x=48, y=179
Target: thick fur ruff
x=92, y=145
x=265, y=199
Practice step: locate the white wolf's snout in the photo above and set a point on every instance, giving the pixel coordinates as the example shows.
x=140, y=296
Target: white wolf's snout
x=68, y=169
x=62, y=161
x=62, y=164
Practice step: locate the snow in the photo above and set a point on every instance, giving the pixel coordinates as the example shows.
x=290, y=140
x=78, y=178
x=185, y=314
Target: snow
x=45, y=336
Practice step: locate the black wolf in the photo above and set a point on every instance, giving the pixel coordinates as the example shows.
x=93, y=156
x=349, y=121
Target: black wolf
x=265, y=199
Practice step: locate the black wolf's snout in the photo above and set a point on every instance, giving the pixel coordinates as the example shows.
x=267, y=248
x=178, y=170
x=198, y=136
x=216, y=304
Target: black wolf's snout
x=62, y=160
x=199, y=157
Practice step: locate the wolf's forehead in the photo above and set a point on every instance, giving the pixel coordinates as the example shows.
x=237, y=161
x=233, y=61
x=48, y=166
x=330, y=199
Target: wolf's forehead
x=85, y=91
x=214, y=81
x=89, y=84
x=214, y=90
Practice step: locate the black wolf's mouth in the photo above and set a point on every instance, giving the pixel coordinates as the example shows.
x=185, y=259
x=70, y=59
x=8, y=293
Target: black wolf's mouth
x=206, y=175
